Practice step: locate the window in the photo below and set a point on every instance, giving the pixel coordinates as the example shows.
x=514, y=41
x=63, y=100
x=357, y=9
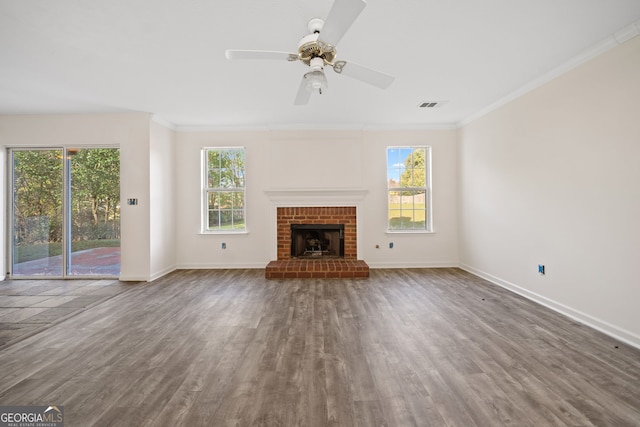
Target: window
x=224, y=189
x=408, y=188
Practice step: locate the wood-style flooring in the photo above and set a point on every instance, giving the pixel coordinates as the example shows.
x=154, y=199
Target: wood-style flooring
x=418, y=347
x=29, y=306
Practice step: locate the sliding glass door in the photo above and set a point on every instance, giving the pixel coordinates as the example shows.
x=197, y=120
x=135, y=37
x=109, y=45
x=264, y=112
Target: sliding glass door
x=65, y=212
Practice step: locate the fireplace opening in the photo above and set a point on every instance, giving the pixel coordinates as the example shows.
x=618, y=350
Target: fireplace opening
x=317, y=240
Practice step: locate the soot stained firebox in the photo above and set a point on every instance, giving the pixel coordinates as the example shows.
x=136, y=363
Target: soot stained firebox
x=317, y=240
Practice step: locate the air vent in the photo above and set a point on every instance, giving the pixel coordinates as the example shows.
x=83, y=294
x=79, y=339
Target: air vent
x=432, y=104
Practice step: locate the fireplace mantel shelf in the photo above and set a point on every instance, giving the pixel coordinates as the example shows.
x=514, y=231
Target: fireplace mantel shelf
x=286, y=194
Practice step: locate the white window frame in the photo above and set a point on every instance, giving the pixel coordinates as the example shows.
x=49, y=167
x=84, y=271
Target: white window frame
x=206, y=190
x=428, y=227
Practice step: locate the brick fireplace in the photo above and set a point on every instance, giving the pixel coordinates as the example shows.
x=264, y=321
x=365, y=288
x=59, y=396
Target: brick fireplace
x=288, y=266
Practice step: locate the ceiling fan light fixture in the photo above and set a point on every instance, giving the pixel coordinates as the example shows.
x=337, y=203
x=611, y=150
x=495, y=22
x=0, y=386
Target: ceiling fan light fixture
x=316, y=81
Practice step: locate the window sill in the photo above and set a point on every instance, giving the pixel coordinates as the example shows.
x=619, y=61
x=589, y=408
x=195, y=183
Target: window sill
x=409, y=232
x=223, y=232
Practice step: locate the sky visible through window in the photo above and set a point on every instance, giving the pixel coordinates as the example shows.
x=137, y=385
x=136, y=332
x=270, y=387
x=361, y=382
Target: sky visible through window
x=396, y=161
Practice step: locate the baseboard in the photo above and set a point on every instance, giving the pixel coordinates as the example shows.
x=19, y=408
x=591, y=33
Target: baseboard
x=450, y=264
x=133, y=278
x=162, y=272
x=584, y=318
x=207, y=266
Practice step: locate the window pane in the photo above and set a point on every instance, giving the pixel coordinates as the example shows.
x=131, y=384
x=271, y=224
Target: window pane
x=213, y=159
x=214, y=201
x=419, y=156
x=414, y=208
x=419, y=177
x=214, y=220
x=238, y=219
x=225, y=200
x=238, y=177
x=405, y=155
x=213, y=180
x=395, y=219
x=238, y=200
x=225, y=218
x=395, y=211
x=406, y=222
x=226, y=178
x=393, y=177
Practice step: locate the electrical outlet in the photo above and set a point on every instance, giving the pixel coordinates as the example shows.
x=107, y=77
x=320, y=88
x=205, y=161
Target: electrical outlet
x=224, y=245
x=541, y=269
x=390, y=245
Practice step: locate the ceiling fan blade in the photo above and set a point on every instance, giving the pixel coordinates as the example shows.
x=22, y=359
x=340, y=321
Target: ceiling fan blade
x=260, y=54
x=367, y=75
x=340, y=18
x=303, y=96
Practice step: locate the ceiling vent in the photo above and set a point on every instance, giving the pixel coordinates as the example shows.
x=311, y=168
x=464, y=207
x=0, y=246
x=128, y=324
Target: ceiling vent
x=432, y=104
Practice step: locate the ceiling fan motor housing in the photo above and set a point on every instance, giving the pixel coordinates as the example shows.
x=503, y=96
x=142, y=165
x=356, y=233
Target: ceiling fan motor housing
x=310, y=47
x=315, y=25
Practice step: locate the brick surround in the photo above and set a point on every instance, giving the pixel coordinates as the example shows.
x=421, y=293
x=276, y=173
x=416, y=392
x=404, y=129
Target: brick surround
x=285, y=266
x=316, y=215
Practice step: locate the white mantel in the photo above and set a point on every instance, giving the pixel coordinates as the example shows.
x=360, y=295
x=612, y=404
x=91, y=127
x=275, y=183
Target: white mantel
x=316, y=196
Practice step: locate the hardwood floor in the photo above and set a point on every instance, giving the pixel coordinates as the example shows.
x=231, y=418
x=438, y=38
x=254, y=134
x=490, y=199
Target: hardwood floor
x=29, y=306
x=405, y=347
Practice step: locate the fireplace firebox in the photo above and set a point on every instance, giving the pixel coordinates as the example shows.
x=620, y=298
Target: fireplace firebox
x=317, y=240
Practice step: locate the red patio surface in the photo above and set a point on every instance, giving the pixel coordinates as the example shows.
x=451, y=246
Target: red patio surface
x=94, y=262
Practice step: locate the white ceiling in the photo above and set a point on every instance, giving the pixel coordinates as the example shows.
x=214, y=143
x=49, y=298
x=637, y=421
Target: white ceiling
x=167, y=57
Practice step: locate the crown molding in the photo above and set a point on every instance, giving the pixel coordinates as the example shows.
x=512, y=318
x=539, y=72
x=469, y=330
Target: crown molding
x=163, y=122
x=615, y=40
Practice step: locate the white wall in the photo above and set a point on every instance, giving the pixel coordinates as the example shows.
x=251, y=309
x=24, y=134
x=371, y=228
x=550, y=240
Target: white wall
x=128, y=131
x=3, y=211
x=135, y=242
x=162, y=178
x=196, y=250
x=437, y=249
x=315, y=164
x=554, y=178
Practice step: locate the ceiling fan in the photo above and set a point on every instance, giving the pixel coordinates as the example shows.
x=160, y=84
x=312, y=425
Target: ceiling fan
x=318, y=49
